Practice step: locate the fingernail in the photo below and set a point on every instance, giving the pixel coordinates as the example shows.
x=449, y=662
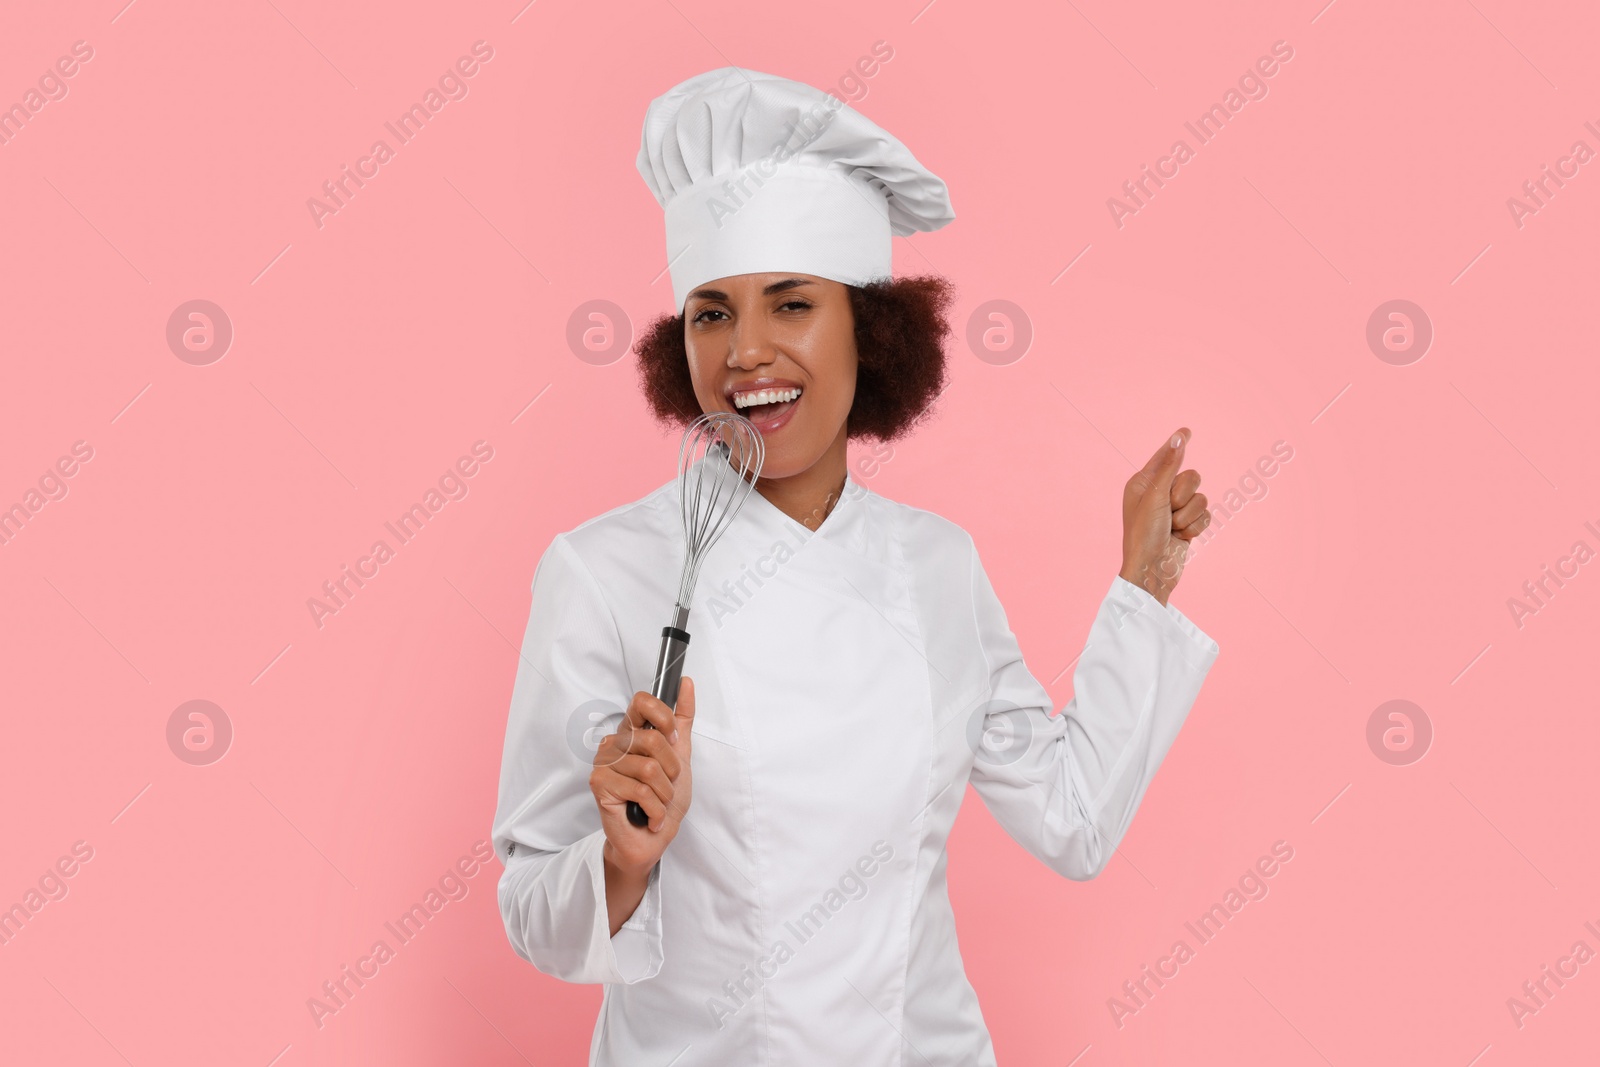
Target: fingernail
x=1177, y=439
x=674, y=737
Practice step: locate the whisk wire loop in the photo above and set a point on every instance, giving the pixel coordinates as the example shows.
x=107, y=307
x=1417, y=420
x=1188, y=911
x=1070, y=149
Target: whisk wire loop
x=718, y=462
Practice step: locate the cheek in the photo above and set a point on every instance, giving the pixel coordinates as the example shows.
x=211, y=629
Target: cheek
x=842, y=389
x=842, y=369
x=698, y=379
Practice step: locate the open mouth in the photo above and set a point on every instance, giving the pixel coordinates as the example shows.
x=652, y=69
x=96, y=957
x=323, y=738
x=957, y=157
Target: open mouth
x=765, y=406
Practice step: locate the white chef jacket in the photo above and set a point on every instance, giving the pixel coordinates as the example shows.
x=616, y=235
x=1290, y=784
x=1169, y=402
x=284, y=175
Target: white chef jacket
x=849, y=683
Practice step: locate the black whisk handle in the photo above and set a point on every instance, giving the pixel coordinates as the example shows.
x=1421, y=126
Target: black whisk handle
x=669, y=672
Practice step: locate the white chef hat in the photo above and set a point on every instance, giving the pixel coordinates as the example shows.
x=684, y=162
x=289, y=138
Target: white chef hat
x=758, y=173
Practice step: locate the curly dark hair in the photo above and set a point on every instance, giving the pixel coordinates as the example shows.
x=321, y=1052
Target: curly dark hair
x=900, y=333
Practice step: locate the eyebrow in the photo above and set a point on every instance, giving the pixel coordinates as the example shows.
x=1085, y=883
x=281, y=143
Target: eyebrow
x=775, y=287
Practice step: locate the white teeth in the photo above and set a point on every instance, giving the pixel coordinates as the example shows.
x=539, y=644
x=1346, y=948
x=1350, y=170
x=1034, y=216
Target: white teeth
x=765, y=396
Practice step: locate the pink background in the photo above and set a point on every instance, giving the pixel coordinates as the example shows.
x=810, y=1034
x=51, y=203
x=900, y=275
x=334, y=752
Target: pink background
x=368, y=354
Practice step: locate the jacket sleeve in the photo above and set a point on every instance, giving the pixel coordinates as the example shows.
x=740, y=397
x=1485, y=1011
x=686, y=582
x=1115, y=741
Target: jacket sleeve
x=570, y=691
x=1066, y=786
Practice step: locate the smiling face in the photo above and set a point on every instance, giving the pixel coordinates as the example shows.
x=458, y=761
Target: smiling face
x=780, y=350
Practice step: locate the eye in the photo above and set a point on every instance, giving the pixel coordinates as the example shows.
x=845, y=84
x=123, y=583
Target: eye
x=703, y=312
x=795, y=303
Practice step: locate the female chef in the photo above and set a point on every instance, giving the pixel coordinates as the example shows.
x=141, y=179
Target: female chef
x=851, y=670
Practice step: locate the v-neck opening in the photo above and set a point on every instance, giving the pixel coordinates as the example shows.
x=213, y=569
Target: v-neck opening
x=851, y=490
x=764, y=513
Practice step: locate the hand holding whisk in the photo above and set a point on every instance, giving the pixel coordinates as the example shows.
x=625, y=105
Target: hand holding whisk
x=718, y=464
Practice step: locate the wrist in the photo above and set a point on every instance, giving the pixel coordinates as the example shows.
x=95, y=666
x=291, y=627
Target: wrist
x=623, y=873
x=1145, y=578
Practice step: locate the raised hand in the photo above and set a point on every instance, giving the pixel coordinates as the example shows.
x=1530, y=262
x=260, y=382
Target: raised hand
x=1161, y=514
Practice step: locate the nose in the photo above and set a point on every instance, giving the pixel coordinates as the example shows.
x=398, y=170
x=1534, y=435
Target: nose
x=750, y=344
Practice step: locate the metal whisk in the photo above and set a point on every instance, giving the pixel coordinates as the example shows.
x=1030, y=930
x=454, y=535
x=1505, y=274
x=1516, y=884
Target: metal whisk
x=711, y=493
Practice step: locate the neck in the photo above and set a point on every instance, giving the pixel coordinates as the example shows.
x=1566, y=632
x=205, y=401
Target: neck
x=810, y=496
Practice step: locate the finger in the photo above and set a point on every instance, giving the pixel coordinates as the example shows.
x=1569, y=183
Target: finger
x=648, y=744
x=649, y=771
x=1164, y=464
x=644, y=708
x=1191, y=511
x=1193, y=529
x=1184, y=486
x=632, y=740
x=618, y=789
x=654, y=745
x=642, y=795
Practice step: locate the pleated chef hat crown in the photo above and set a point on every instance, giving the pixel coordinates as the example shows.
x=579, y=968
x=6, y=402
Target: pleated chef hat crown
x=758, y=173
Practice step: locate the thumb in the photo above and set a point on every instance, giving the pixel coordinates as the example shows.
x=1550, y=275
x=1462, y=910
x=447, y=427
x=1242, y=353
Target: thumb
x=683, y=714
x=1164, y=465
